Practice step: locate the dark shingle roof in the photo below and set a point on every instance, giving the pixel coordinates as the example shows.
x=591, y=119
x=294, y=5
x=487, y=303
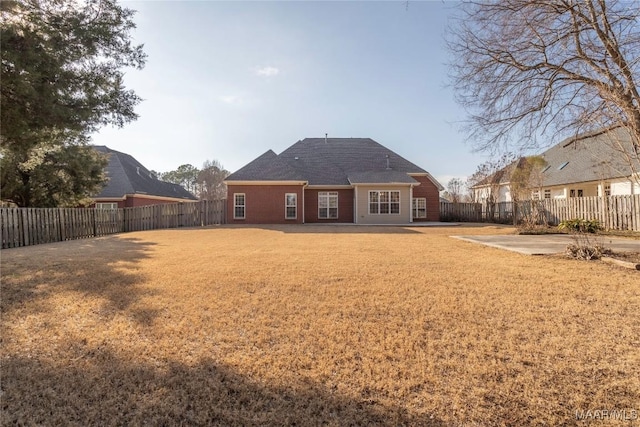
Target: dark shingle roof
x=589, y=158
x=380, y=177
x=128, y=176
x=267, y=167
x=331, y=161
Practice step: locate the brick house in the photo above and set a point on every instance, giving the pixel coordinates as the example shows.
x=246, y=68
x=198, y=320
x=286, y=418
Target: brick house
x=130, y=184
x=332, y=180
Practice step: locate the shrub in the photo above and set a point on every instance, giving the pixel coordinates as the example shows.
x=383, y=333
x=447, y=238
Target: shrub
x=587, y=252
x=578, y=225
x=584, y=246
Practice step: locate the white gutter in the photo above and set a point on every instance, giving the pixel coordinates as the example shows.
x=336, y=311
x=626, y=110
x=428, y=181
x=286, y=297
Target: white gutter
x=355, y=204
x=410, y=204
x=303, y=211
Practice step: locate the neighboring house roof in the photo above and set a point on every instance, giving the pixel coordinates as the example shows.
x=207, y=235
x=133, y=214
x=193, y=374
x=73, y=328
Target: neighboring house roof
x=332, y=161
x=590, y=157
x=128, y=176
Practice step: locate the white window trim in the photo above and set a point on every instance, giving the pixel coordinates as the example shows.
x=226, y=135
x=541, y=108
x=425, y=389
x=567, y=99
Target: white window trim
x=103, y=205
x=287, y=206
x=384, y=191
x=415, y=207
x=328, y=195
x=236, y=205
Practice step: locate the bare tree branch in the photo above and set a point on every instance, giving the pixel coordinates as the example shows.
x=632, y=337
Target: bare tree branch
x=526, y=69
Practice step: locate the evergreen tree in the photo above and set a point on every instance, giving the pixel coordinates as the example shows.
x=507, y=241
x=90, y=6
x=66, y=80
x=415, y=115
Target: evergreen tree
x=62, y=70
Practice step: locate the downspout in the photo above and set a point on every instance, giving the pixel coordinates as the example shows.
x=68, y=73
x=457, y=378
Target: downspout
x=355, y=204
x=303, y=211
x=410, y=203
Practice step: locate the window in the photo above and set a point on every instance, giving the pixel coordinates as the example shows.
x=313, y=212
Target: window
x=607, y=190
x=239, y=201
x=536, y=195
x=572, y=193
x=580, y=193
x=420, y=207
x=291, y=205
x=328, y=204
x=384, y=202
x=106, y=206
x=547, y=194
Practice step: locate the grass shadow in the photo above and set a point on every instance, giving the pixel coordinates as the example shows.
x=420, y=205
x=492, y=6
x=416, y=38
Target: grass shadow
x=103, y=267
x=103, y=389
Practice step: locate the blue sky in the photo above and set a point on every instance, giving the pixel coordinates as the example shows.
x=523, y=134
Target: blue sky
x=230, y=80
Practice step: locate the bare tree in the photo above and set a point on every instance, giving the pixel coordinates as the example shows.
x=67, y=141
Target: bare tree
x=525, y=184
x=455, y=190
x=485, y=182
x=559, y=68
x=488, y=177
x=526, y=178
x=210, y=181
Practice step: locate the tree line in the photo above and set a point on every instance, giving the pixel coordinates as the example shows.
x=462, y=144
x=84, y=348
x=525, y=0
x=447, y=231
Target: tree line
x=206, y=183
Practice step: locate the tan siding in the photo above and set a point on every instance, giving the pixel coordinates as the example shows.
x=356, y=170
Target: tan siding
x=363, y=206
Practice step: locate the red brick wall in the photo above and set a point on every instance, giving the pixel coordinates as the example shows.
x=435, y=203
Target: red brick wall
x=345, y=206
x=264, y=204
x=428, y=190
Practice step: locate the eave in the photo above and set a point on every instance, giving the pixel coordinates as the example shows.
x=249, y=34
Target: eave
x=265, y=182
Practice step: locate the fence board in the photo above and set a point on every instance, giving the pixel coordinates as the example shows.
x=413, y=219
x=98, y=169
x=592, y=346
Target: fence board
x=613, y=212
x=32, y=226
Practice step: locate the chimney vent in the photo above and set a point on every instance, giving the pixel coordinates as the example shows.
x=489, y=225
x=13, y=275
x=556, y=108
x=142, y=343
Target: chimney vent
x=325, y=137
x=388, y=167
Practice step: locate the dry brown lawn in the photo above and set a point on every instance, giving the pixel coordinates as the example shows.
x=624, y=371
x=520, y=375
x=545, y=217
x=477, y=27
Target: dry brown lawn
x=307, y=325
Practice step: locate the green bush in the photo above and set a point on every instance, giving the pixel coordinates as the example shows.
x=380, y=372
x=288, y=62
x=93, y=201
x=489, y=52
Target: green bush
x=578, y=225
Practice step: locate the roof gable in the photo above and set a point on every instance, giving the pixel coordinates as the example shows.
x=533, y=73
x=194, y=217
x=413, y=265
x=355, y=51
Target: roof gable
x=128, y=176
x=267, y=167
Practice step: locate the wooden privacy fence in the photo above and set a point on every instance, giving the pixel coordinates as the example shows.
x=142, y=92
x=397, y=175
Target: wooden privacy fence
x=501, y=213
x=33, y=226
x=613, y=212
